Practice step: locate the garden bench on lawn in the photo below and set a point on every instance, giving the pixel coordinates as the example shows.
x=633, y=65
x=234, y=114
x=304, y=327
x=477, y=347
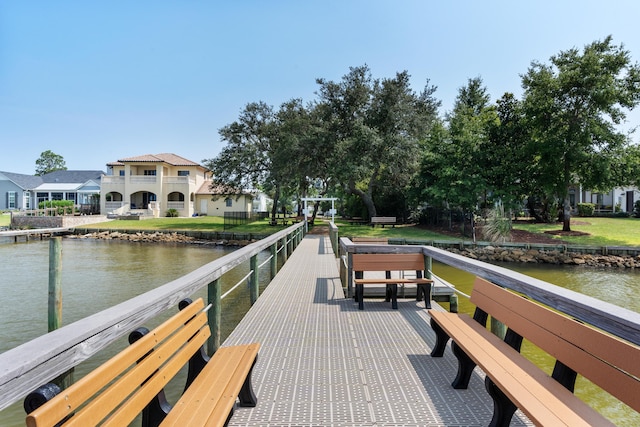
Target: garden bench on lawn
x=133, y=380
x=513, y=381
x=388, y=263
x=383, y=220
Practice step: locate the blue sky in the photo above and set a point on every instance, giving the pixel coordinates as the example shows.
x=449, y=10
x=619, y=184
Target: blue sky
x=95, y=81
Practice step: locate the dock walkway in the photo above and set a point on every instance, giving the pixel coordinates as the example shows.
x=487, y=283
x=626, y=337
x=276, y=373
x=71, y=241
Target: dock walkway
x=323, y=362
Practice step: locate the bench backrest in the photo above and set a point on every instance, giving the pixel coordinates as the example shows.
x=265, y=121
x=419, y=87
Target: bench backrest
x=607, y=361
x=118, y=390
x=388, y=262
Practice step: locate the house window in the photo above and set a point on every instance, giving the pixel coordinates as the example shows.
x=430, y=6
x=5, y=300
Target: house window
x=228, y=201
x=27, y=200
x=150, y=172
x=11, y=200
x=121, y=173
x=183, y=173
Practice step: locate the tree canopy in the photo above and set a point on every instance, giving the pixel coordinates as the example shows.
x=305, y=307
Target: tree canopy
x=379, y=142
x=574, y=105
x=49, y=162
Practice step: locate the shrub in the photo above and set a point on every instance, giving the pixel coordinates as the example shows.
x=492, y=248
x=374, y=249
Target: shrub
x=63, y=206
x=586, y=209
x=497, y=227
x=172, y=213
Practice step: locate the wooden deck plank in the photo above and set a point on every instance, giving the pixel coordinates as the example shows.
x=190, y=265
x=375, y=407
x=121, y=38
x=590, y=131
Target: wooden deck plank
x=324, y=362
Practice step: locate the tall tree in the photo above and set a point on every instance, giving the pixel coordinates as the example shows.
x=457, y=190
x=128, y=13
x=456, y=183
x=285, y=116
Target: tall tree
x=376, y=126
x=256, y=153
x=454, y=163
x=574, y=105
x=506, y=162
x=49, y=162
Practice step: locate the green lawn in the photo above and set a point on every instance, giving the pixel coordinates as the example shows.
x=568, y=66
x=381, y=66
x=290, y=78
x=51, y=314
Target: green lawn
x=5, y=220
x=601, y=231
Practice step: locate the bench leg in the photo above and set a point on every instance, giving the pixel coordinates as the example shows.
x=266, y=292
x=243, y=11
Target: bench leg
x=424, y=289
x=441, y=339
x=387, y=297
x=503, y=408
x=465, y=367
x=247, y=396
x=392, y=290
x=360, y=296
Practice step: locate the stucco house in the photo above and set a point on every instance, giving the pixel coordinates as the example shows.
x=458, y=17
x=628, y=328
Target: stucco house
x=24, y=192
x=215, y=200
x=151, y=184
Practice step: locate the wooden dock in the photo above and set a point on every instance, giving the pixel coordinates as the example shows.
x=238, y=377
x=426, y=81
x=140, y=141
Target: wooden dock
x=323, y=362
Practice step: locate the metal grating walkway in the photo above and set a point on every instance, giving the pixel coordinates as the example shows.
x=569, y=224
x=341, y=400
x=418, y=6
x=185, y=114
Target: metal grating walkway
x=325, y=363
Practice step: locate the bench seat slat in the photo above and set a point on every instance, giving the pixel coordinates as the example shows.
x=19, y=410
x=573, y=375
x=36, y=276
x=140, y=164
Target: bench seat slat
x=74, y=397
x=213, y=393
x=540, y=397
x=582, y=348
x=137, y=402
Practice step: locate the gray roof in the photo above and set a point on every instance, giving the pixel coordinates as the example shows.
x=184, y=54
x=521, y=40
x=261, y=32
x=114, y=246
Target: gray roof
x=72, y=176
x=30, y=182
x=26, y=182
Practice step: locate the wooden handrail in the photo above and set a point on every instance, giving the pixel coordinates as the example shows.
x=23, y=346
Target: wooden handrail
x=619, y=321
x=26, y=367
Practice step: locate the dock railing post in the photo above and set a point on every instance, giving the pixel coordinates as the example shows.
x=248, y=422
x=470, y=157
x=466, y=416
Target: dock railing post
x=55, y=287
x=215, y=317
x=498, y=328
x=284, y=249
x=274, y=260
x=55, y=299
x=453, y=303
x=254, y=291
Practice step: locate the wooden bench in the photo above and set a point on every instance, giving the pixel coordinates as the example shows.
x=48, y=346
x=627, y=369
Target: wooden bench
x=513, y=381
x=388, y=263
x=133, y=381
x=383, y=220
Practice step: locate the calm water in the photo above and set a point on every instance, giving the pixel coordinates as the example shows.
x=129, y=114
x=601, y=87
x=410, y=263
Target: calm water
x=99, y=274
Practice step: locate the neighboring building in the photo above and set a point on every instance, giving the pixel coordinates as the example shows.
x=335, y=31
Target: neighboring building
x=215, y=200
x=152, y=184
x=24, y=192
x=623, y=197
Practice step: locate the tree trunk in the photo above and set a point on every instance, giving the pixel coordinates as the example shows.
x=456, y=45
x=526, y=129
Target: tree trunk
x=274, y=208
x=366, y=198
x=566, y=214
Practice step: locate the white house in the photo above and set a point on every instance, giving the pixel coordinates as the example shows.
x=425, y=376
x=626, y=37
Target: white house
x=152, y=184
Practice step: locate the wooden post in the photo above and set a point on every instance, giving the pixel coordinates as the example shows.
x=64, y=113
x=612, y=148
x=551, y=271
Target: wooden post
x=498, y=328
x=428, y=266
x=215, y=316
x=284, y=249
x=274, y=260
x=453, y=303
x=255, y=285
x=55, y=300
x=55, y=287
